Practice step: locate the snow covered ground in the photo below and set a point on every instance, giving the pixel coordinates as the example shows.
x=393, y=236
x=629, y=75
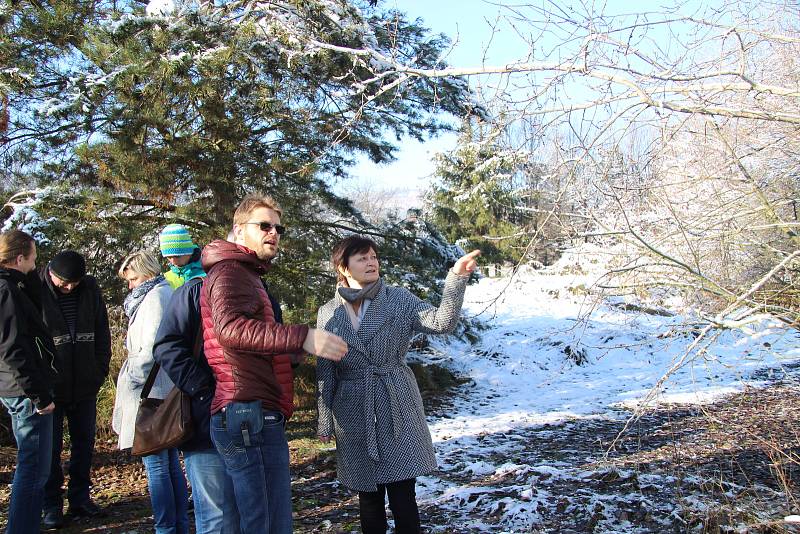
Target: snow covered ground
x=513, y=449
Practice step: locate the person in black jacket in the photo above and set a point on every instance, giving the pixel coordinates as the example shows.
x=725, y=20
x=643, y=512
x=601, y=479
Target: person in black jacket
x=26, y=379
x=178, y=348
x=75, y=312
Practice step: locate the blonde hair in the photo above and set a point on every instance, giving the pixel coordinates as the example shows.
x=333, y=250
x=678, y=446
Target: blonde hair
x=252, y=202
x=140, y=262
x=13, y=244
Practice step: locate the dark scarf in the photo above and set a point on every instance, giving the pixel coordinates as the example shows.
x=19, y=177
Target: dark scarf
x=137, y=294
x=352, y=294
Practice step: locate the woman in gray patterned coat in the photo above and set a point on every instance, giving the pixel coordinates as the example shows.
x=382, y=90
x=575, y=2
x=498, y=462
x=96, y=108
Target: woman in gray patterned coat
x=370, y=400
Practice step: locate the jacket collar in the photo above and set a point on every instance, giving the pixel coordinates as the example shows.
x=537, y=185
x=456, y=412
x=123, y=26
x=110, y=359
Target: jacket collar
x=192, y=266
x=221, y=250
x=376, y=315
x=29, y=284
x=12, y=275
x=47, y=282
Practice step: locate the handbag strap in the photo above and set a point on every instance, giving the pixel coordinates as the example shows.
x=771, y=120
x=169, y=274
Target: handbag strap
x=151, y=379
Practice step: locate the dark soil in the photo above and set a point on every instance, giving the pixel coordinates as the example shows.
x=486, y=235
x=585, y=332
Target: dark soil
x=741, y=453
x=731, y=466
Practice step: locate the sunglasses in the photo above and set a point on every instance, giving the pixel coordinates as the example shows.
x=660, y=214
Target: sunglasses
x=267, y=227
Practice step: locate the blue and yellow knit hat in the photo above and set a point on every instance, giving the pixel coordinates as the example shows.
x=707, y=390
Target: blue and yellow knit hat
x=175, y=240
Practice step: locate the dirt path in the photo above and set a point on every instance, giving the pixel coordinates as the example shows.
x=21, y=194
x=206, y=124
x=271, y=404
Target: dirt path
x=679, y=469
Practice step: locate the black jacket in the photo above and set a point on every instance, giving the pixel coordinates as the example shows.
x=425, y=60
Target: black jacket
x=82, y=360
x=26, y=348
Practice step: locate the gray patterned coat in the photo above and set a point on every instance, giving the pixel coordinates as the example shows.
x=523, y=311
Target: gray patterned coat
x=370, y=400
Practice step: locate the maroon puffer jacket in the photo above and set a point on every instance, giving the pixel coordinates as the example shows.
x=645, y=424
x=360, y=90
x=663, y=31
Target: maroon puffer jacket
x=247, y=350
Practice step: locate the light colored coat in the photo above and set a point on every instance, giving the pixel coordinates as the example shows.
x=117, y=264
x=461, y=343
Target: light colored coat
x=133, y=374
x=370, y=400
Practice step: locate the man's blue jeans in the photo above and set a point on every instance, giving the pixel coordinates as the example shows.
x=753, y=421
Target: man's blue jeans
x=253, y=445
x=212, y=491
x=81, y=419
x=34, y=436
x=168, y=494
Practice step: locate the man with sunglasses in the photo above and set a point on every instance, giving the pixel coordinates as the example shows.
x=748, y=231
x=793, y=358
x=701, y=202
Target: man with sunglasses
x=75, y=313
x=247, y=350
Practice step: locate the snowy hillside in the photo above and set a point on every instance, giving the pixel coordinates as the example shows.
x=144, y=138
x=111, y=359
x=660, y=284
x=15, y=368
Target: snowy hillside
x=515, y=448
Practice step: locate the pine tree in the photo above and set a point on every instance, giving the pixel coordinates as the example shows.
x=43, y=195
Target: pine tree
x=133, y=117
x=474, y=201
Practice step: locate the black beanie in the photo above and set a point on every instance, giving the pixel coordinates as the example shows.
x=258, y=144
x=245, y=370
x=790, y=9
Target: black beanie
x=68, y=265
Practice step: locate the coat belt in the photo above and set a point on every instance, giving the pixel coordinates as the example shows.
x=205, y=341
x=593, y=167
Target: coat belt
x=370, y=376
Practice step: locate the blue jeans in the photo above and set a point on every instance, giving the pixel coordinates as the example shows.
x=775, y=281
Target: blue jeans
x=34, y=436
x=81, y=419
x=212, y=491
x=168, y=494
x=253, y=445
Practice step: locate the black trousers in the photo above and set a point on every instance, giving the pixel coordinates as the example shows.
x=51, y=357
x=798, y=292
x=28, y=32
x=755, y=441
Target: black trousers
x=402, y=502
x=81, y=419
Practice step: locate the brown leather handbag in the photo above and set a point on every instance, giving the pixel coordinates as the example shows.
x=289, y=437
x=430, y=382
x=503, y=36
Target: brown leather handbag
x=161, y=424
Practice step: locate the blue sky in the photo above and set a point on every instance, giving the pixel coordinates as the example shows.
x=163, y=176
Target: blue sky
x=469, y=25
x=470, y=34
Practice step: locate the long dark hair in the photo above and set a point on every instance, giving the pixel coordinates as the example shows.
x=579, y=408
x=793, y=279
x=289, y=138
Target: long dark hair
x=347, y=247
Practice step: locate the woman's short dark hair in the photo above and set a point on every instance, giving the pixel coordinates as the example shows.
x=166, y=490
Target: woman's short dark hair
x=347, y=247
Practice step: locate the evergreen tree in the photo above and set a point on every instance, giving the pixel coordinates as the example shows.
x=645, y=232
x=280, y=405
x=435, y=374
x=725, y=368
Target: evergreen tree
x=474, y=201
x=132, y=117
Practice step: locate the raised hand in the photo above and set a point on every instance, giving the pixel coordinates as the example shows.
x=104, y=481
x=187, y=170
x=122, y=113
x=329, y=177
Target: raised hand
x=467, y=263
